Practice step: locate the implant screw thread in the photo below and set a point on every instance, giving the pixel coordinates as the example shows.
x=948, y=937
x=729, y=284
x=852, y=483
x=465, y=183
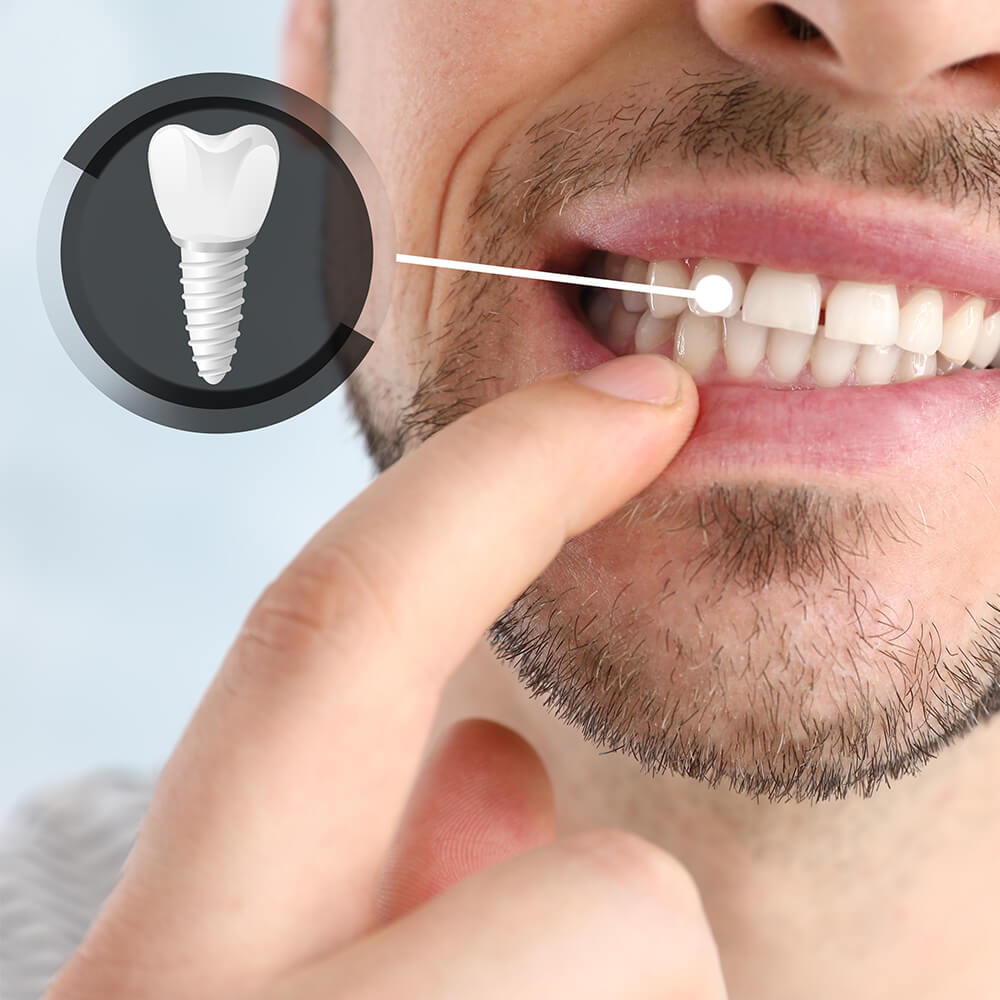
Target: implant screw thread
x=212, y=282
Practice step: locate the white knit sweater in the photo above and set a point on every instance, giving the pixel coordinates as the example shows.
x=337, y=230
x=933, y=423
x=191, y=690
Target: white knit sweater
x=61, y=851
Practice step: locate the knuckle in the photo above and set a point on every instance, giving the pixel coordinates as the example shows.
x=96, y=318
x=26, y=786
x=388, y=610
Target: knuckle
x=318, y=604
x=287, y=620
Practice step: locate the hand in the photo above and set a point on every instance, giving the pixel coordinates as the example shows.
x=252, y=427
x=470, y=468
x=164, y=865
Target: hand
x=271, y=862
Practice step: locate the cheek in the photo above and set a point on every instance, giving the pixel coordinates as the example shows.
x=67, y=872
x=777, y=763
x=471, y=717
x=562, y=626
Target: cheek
x=416, y=80
x=433, y=90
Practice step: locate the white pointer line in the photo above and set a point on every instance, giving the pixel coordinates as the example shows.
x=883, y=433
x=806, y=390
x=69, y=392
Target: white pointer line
x=565, y=279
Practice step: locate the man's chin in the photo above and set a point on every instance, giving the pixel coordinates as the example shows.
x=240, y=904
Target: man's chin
x=732, y=635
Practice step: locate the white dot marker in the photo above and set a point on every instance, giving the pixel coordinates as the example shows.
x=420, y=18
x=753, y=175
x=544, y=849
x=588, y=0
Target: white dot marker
x=713, y=294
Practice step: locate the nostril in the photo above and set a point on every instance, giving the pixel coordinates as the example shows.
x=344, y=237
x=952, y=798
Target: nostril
x=877, y=49
x=794, y=24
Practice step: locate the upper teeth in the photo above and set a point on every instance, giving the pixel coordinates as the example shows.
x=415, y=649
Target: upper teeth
x=882, y=338
x=782, y=300
x=863, y=314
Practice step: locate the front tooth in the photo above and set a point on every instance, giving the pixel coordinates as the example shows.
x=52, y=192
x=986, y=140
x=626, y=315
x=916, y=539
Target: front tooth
x=784, y=300
x=745, y=345
x=921, y=323
x=831, y=361
x=988, y=342
x=653, y=332
x=726, y=270
x=788, y=352
x=635, y=271
x=863, y=313
x=669, y=274
x=876, y=365
x=698, y=340
x=913, y=366
x=962, y=330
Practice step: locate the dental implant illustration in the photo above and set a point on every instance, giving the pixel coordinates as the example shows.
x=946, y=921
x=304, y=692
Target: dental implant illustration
x=213, y=193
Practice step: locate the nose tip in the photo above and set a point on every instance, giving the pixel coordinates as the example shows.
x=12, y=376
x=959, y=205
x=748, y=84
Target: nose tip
x=871, y=47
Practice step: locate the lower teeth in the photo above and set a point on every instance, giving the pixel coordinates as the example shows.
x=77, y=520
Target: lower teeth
x=709, y=346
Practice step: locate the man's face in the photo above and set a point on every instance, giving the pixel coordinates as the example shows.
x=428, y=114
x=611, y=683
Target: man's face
x=806, y=601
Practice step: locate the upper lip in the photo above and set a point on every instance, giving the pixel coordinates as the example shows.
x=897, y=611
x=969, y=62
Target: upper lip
x=845, y=235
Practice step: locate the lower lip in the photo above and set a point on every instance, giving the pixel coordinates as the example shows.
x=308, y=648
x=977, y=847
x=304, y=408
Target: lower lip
x=845, y=430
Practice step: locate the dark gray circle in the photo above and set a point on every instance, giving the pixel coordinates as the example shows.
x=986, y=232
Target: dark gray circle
x=311, y=270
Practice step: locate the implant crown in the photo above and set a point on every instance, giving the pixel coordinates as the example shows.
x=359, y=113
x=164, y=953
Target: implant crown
x=213, y=188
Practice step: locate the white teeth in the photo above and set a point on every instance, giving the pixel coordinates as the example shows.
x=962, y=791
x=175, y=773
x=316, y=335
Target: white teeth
x=862, y=313
x=669, y=274
x=784, y=300
x=831, y=361
x=913, y=366
x=698, y=340
x=653, y=332
x=876, y=365
x=635, y=271
x=788, y=352
x=988, y=343
x=921, y=323
x=726, y=270
x=962, y=330
x=745, y=345
x=775, y=317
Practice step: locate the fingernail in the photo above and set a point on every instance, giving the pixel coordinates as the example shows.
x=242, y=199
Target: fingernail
x=645, y=378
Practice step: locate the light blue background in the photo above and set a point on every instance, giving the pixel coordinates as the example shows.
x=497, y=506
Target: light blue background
x=129, y=552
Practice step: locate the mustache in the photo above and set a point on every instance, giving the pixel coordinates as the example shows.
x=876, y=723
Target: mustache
x=738, y=122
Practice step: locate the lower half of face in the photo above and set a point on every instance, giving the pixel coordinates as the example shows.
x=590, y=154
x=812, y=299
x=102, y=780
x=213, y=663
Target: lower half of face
x=806, y=601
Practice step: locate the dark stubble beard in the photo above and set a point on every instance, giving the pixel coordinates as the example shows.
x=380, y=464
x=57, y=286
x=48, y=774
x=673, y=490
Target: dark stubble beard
x=593, y=666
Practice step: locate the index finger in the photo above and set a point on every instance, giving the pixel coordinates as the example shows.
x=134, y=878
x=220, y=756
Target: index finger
x=272, y=817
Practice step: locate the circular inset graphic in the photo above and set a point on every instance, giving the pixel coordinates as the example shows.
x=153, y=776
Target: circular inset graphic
x=216, y=252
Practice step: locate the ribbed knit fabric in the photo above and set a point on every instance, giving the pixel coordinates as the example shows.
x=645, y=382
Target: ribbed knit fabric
x=61, y=851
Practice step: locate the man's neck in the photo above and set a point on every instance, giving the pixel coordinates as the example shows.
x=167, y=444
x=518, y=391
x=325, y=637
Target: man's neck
x=889, y=896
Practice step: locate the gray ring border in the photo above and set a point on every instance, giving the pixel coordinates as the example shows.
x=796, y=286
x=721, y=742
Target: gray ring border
x=190, y=418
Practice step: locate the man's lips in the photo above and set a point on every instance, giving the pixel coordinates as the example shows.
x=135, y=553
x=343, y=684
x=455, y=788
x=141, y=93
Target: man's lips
x=740, y=427
x=845, y=430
